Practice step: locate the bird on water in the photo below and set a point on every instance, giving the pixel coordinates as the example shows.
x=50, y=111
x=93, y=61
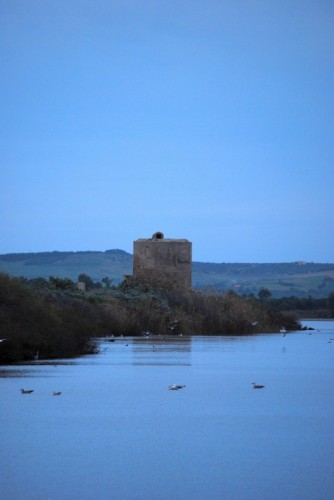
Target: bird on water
x=26, y=391
x=257, y=386
x=147, y=333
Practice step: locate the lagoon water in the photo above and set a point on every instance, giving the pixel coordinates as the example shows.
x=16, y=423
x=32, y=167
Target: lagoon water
x=117, y=432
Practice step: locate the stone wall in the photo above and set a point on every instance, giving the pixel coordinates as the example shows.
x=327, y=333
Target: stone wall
x=163, y=259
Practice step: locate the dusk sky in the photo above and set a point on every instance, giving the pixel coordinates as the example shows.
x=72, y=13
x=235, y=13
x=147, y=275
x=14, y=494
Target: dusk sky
x=207, y=120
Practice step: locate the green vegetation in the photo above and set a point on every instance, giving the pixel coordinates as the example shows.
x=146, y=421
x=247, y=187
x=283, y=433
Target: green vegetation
x=52, y=318
x=45, y=319
x=305, y=306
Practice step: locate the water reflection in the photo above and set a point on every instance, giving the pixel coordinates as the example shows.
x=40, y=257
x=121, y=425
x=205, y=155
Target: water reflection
x=9, y=372
x=164, y=351
x=154, y=350
x=118, y=432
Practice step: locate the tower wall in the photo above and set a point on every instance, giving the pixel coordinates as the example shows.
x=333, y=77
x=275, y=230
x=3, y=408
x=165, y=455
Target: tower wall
x=163, y=259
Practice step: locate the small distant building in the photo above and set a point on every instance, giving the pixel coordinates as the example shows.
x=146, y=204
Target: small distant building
x=81, y=286
x=163, y=260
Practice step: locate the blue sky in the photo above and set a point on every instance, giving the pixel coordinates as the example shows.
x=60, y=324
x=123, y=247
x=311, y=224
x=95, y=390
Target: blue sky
x=211, y=121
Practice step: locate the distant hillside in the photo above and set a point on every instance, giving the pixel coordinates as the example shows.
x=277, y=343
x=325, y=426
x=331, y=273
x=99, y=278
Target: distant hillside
x=284, y=279
x=112, y=263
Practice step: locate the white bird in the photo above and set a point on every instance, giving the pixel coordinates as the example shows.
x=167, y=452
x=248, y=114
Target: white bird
x=147, y=333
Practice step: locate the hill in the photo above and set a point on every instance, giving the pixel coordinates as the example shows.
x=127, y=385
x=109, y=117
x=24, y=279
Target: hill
x=282, y=279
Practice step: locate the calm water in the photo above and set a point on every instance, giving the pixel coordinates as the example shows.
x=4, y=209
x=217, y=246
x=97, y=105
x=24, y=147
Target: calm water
x=116, y=432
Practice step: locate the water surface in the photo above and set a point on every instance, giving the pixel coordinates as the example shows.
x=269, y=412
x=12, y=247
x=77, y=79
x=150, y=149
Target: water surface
x=117, y=432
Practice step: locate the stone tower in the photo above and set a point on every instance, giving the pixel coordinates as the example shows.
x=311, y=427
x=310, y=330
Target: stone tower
x=165, y=260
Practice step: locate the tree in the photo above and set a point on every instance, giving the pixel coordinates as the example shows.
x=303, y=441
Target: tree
x=331, y=303
x=61, y=283
x=107, y=281
x=264, y=294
